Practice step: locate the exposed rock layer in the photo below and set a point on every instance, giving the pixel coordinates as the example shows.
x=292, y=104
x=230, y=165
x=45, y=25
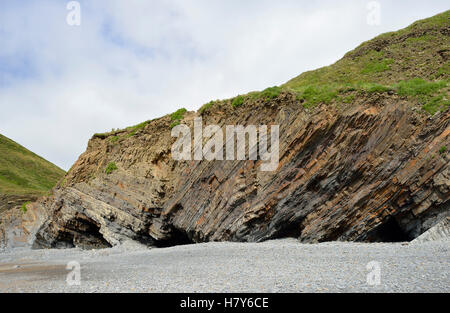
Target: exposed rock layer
x=367, y=165
x=369, y=172
x=8, y=202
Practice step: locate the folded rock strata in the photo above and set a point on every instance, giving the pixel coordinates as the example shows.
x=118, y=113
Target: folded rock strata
x=370, y=172
x=371, y=165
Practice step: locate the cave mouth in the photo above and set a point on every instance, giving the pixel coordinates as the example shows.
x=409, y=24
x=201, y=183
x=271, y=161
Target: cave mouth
x=291, y=230
x=91, y=238
x=82, y=232
x=177, y=238
x=389, y=231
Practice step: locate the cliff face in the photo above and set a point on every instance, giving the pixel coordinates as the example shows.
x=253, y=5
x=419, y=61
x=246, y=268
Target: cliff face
x=358, y=161
x=372, y=172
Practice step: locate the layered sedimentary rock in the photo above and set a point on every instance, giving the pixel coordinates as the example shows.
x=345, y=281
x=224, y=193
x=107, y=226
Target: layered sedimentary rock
x=8, y=202
x=358, y=161
x=370, y=172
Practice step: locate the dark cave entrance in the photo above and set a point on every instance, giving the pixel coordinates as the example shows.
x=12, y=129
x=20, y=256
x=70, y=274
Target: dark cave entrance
x=90, y=238
x=389, y=231
x=292, y=230
x=177, y=238
x=81, y=232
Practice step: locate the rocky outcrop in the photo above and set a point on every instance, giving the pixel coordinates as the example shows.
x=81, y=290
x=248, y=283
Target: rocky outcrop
x=18, y=226
x=362, y=157
x=439, y=232
x=8, y=202
x=372, y=171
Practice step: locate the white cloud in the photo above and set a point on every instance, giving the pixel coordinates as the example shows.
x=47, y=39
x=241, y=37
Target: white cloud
x=131, y=61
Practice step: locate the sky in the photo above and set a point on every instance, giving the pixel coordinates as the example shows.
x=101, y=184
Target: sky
x=129, y=61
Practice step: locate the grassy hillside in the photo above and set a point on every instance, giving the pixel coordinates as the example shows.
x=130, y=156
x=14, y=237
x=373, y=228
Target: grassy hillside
x=412, y=62
x=24, y=173
x=420, y=50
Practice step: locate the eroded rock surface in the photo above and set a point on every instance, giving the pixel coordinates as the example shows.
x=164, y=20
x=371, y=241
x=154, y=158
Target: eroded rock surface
x=367, y=161
x=370, y=172
x=439, y=232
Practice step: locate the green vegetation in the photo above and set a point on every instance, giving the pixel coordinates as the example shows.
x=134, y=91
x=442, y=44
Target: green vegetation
x=238, y=101
x=442, y=150
x=114, y=139
x=425, y=92
x=175, y=123
x=24, y=173
x=267, y=94
x=206, y=107
x=436, y=104
x=23, y=208
x=270, y=93
x=405, y=62
x=376, y=88
x=177, y=116
x=420, y=38
x=377, y=66
x=419, y=87
x=408, y=62
x=111, y=167
x=134, y=129
x=348, y=99
x=444, y=71
x=314, y=94
x=114, y=134
x=402, y=62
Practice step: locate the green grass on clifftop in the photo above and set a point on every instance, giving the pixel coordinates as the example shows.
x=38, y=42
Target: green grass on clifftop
x=176, y=117
x=24, y=173
x=412, y=62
